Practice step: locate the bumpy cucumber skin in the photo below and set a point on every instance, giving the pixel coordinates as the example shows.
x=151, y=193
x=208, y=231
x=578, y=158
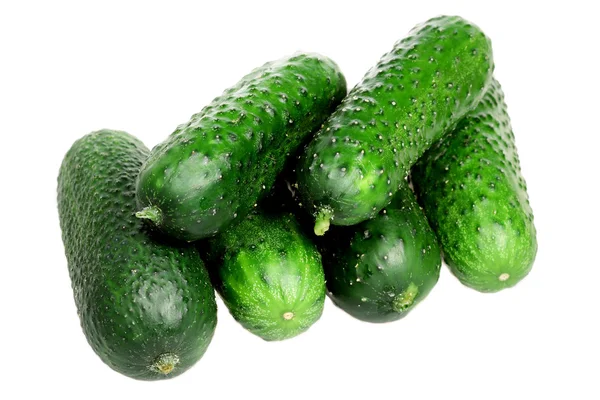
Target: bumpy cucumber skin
x=379, y=270
x=264, y=268
x=473, y=193
x=212, y=170
x=140, y=300
x=415, y=93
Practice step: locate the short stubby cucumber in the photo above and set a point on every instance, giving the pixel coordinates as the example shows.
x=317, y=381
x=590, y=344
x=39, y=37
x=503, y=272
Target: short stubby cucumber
x=212, y=170
x=473, y=193
x=379, y=270
x=415, y=93
x=146, y=306
x=269, y=275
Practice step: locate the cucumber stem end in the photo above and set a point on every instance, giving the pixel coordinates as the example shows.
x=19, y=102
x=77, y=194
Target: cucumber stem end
x=323, y=221
x=151, y=213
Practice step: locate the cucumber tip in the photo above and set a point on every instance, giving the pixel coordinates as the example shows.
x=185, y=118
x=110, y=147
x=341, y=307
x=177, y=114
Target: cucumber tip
x=288, y=315
x=165, y=363
x=406, y=299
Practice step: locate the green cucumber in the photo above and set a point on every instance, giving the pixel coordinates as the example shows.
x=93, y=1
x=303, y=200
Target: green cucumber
x=473, y=193
x=146, y=306
x=415, y=93
x=212, y=170
x=269, y=275
x=379, y=270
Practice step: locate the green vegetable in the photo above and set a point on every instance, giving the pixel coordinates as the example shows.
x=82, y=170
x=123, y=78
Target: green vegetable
x=473, y=193
x=146, y=306
x=269, y=275
x=379, y=270
x=415, y=93
x=212, y=170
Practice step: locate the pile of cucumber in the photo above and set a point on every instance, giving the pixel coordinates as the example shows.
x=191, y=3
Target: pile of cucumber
x=286, y=189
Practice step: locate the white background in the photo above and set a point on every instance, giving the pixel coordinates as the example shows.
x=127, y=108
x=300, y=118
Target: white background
x=67, y=69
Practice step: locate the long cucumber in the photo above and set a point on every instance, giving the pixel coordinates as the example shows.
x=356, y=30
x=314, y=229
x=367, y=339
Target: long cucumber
x=416, y=93
x=213, y=169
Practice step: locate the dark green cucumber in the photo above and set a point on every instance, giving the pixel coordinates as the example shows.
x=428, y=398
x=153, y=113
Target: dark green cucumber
x=473, y=193
x=269, y=275
x=212, y=170
x=415, y=93
x=146, y=306
x=379, y=270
